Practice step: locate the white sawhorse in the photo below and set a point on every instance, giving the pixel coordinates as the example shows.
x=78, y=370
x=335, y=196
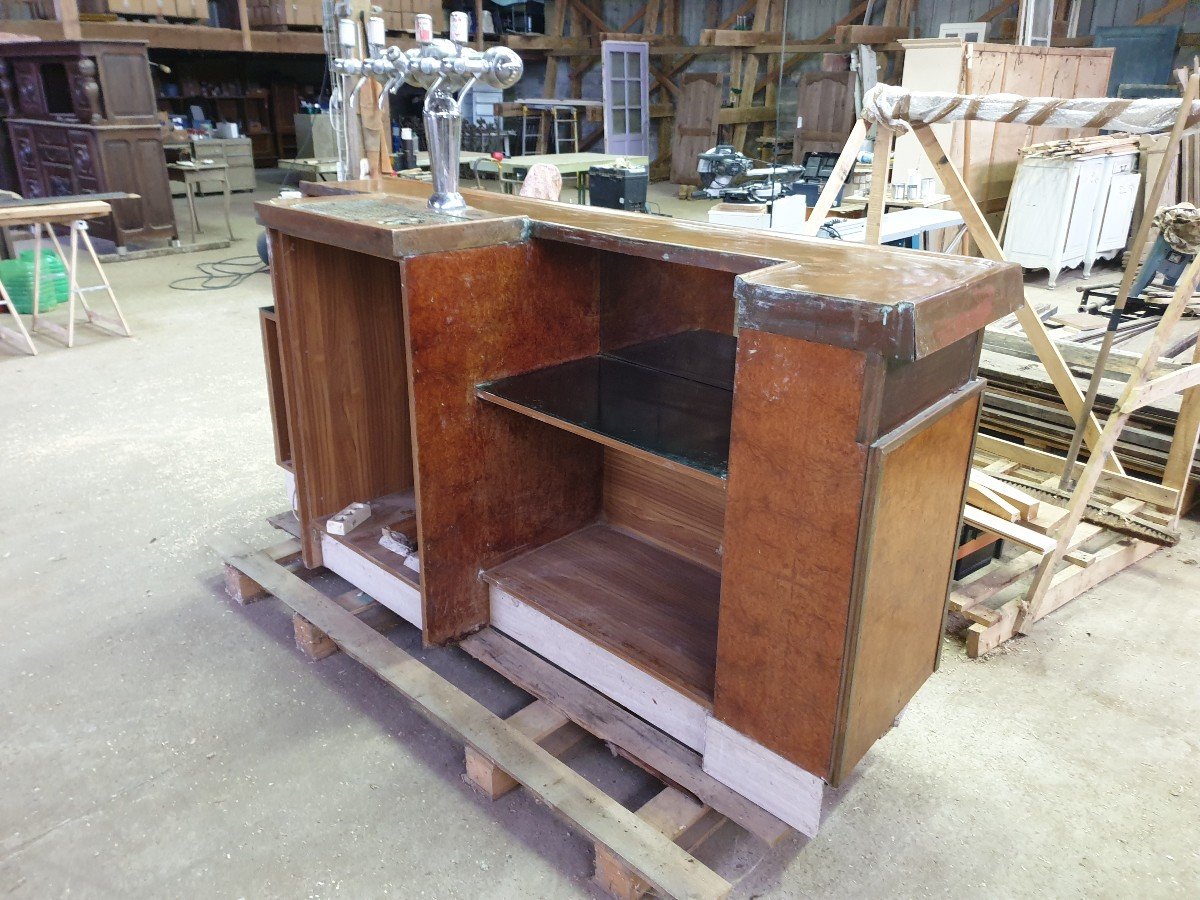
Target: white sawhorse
x=79, y=234
x=18, y=338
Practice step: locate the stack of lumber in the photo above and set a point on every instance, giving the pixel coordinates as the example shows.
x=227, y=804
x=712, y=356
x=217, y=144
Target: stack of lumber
x=1083, y=147
x=1021, y=403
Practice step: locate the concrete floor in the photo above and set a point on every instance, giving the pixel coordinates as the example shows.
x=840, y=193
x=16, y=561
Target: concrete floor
x=156, y=740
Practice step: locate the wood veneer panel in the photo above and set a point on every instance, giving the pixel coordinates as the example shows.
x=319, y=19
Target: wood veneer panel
x=341, y=335
x=796, y=472
x=491, y=482
x=269, y=325
x=917, y=474
x=682, y=514
x=650, y=607
x=647, y=298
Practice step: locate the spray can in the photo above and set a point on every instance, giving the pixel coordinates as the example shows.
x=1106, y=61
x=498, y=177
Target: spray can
x=459, y=27
x=408, y=149
x=424, y=28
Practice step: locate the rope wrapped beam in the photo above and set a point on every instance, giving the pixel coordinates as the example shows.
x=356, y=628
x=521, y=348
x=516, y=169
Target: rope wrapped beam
x=896, y=107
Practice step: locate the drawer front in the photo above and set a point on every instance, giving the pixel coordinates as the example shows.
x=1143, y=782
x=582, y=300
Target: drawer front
x=60, y=181
x=84, y=155
x=25, y=149
x=58, y=155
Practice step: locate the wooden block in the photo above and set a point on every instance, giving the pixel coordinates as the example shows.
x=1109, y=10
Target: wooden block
x=539, y=721
x=244, y=589
x=678, y=815
x=316, y=644
x=989, y=501
x=1026, y=504
x=312, y=641
x=983, y=639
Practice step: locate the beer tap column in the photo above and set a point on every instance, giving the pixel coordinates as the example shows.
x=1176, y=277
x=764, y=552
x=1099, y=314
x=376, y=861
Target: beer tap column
x=447, y=70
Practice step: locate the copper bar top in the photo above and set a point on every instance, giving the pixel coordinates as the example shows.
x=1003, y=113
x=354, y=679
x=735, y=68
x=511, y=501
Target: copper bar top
x=903, y=304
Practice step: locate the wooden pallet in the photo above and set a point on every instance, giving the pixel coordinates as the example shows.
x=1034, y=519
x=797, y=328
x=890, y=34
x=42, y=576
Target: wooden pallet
x=635, y=851
x=992, y=599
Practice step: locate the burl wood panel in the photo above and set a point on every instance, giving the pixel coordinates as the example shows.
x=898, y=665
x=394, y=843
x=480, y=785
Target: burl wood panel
x=796, y=472
x=279, y=419
x=917, y=474
x=669, y=509
x=341, y=330
x=644, y=298
x=492, y=482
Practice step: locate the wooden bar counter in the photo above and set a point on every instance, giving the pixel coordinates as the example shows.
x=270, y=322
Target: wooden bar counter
x=715, y=474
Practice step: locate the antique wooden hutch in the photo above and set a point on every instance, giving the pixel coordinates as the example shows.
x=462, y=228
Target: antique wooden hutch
x=82, y=119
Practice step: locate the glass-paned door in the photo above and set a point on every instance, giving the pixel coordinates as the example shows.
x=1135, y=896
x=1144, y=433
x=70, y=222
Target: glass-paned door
x=626, y=71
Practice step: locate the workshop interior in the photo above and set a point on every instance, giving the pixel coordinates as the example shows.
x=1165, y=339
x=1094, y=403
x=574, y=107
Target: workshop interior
x=599, y=448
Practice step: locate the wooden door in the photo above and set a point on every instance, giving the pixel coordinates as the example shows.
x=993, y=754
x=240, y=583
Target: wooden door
x=824, y=113
x=626, y=73
x=695, y=125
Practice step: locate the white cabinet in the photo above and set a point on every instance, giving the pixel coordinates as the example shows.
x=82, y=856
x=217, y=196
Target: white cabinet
x=1068, y=211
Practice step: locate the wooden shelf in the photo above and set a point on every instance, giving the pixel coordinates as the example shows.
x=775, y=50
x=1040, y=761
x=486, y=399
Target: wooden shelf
x=398, y=512
x=669, y=400
x=652, y=608
x=176, y=37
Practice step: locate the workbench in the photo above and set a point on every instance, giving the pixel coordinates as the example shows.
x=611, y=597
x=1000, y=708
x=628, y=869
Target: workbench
x=512, y=169
x=606, y=432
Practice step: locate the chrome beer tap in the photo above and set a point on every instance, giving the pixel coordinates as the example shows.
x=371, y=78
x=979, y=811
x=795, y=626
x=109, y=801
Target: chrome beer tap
x=447, y=70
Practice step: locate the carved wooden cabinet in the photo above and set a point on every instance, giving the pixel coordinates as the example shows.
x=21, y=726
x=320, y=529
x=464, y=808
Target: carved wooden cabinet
x=717, y=475
x=81, y=119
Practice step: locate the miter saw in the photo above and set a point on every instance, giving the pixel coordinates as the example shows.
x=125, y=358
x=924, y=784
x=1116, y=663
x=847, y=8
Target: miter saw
x=726, y=174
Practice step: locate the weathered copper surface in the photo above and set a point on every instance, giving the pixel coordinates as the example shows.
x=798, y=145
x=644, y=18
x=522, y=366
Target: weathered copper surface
x=898, y=303
x=378, y=225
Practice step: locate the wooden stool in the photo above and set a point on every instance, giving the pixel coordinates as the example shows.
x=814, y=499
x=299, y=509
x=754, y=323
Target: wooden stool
x=190, y=174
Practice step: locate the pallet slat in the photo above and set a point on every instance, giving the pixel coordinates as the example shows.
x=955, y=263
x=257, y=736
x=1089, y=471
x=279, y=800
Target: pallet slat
x=639, y=845
x=649, y=747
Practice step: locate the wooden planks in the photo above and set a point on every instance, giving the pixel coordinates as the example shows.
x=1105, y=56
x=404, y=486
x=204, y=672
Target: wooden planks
x=651, y=608
x=680, y=817
x=695, y=132
x=641, y=846
x=990, y=149
x=649, y=747
x=539, y=721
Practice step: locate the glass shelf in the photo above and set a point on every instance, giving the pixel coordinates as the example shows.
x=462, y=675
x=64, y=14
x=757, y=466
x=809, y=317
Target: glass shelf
x=671, y=398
